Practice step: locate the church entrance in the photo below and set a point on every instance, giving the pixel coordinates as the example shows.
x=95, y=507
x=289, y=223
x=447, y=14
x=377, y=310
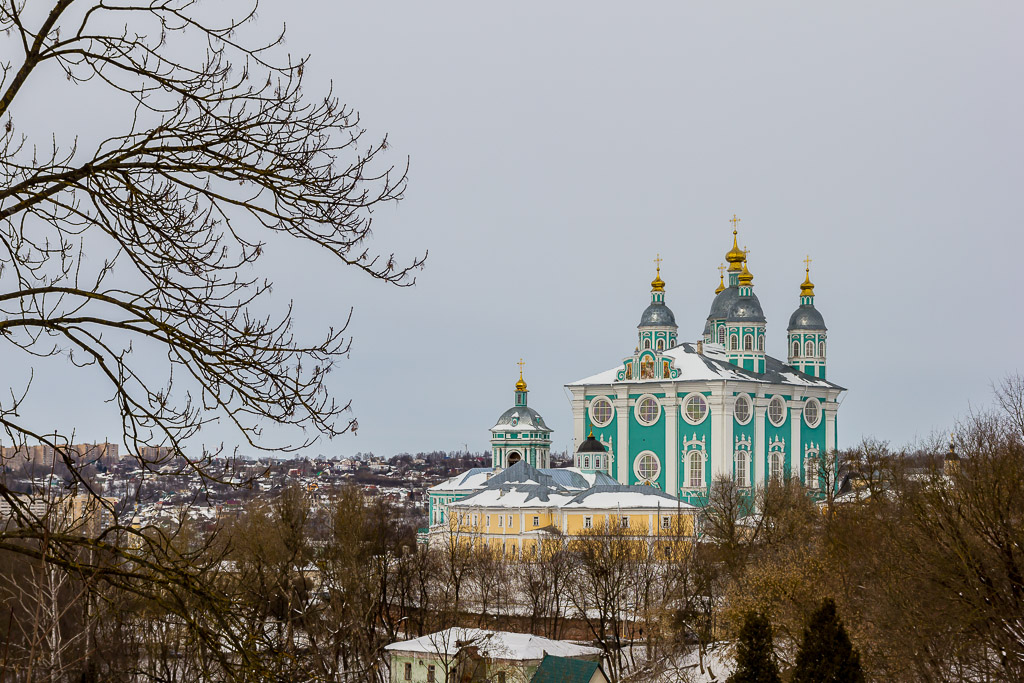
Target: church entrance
x=513, y=458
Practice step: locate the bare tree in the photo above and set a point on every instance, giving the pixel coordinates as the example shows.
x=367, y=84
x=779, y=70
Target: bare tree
x=146, y=245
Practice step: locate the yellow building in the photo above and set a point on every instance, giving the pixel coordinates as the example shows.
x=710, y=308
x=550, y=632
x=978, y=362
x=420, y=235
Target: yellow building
x=517, y=510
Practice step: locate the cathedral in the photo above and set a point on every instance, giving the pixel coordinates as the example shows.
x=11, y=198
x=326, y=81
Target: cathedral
x=675, y=415
x=678, y=414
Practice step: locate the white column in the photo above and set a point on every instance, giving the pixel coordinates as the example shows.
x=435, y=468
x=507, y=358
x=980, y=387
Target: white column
x=721, y=431
x=760, y=448
x=830, y=427
x=795, y=417
x=670, y=406
x=579, y=411
x=622, y=446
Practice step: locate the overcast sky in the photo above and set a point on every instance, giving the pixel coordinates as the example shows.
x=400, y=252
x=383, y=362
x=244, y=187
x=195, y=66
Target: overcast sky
x=556, y=148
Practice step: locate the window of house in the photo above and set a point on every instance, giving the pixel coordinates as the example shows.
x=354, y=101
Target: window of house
x=734, y=342
x=647, y=466
x=510, y=521
x=742, y=409
x=695, y=408
x=488, y=524
x=811, y=470
x=407, y=674
x=536, y=521
x=809, y=348
x=741, y=469
x=474, y=520
x=760, y=342
x=647, y=343
x=601, y=411
x=586, y=462
x=721, y=336
x=648, y=410
x=821, y=349
x=748, y=342
x=666, y=522
x=588, y=522
x=500, y=677
x=661, y=344
x=796, y=349
x=777, y=410
x=431, y=673
x=812, y=412
x=776, y=464
x=499, y=520
x=696, y=478
x=624, y=522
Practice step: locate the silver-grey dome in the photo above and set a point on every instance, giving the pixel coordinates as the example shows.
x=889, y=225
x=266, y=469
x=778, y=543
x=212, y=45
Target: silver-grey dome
x=723, y=302
x=806, y=317
x=527, y=417
x=746, y=309
x=657, y=315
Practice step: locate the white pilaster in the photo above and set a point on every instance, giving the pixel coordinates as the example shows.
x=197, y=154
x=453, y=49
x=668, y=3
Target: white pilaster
x=830, y=426
x=579, y=413
x=796, y=416
x=621, y=403
x=721, y=431
x=760, y=448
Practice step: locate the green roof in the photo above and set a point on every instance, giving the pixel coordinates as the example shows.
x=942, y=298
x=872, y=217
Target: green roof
x=564, y=670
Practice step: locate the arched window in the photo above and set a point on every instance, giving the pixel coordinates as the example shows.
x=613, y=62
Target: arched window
x=597, y=463
x=809, y=349
x=811, y=470
x=760, y=342
x=741, y=469
x=776, y=465
x=661, y=344
x=748, y=343
x=821, y=349
x=796, y=349
x=695, y=480
x=721, y=336
x=647, y=343
x=586, y=463
x=734, y=342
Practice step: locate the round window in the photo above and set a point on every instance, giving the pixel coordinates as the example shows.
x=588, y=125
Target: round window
x=647, y=467
x=601, y=411
x=742, y=409
x=777, y=411
x=695, y=408
x=812, y=412
x=648, y=410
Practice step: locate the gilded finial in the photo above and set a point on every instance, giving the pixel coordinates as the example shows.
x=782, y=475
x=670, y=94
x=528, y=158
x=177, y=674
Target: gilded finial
x=734, y=256
x=721, y=279
x=657, y=284
x=746, y=279
x=807, y=288
x=521, y=384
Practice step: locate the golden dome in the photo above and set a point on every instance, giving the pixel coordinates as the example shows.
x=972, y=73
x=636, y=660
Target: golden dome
x=746, y=278
x=734, y=256
x=657, y=284
x=521, y=384
x=807, y=287
x=721, y=280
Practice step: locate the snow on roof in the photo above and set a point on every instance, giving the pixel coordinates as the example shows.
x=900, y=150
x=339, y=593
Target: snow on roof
x=516, y=495
x=469, y=480
x=622, y=497
x=492, y=644
x=713, y=364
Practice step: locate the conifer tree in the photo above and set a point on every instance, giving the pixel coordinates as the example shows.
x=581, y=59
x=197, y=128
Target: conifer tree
x=755, y=658
x=826, y=654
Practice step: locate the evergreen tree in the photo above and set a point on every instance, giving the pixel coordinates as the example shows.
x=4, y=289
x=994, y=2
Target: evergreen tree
x=826, y=655
x=755, y=658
